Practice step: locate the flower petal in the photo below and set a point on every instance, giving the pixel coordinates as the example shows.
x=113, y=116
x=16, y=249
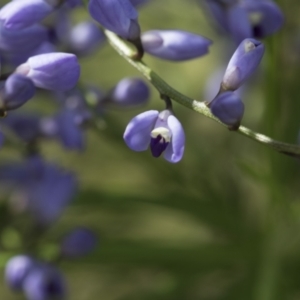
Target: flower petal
x=175, y=150
x=137, y=133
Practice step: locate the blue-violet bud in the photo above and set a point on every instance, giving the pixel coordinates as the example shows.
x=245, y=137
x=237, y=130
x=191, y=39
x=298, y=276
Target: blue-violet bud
x=161, y=131
x=79, y=242
x=52, y=71
x=85, y=38
x=118, y=16
x=174, y=45
x=242, y=64
x=130, y=91
x=22, y=40
x=20, y=14
x=17, y=90
x=228, y=108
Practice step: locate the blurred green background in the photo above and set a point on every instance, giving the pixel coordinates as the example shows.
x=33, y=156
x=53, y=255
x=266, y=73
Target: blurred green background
x=224, y=223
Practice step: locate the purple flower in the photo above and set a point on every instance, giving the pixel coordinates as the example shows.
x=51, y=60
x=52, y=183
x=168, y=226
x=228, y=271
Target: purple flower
x=118, y=16
x=137, y=3
x=22, y=40
x=16, y=270
x=44, y=283
x=174, y=45
x=85, y=38
x=130, y=91
x=265, y=16
x=52, y=71
x=17, y=90
x=44, y=189
x=161, y=131
x=228, y=108
x=79, y=242
x=20, y=14
x=242, y=64
x=69, y=132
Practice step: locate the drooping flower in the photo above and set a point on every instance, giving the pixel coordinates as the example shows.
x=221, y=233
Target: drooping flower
x=242, y=64
x=161, y=131
x=176, y=45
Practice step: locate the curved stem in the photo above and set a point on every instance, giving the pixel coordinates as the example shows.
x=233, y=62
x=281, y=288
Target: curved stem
x=200, y=107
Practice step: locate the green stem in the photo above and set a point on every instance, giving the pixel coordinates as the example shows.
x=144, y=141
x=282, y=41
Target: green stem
x=200, y=107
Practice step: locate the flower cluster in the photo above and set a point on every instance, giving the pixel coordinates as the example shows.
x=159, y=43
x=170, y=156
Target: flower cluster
x=41, y=59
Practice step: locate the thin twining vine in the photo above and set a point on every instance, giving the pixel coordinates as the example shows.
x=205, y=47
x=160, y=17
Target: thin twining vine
x=198, y=106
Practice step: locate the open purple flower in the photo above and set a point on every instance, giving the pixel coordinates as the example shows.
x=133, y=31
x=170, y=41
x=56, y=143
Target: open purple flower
x=44, y=282
x=52, y=71
x=160, y=130
x=118, y=16
x=16, y=270
x=176, y=45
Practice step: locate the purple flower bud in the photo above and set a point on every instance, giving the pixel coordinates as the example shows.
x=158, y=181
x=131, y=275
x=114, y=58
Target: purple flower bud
x=228, y=108
x=85, y=38
x=130, y=91
x=20, y=14
x=265, y=16
x=52, y=71
x=79, y=242
x=44, y=283
x=25, y=126
x=69, y=133
x=16, y=270
x=118, y=16
x=161, y=131
x=22, y=40
x=242, y=64
x=17, y=90
x=175, y=45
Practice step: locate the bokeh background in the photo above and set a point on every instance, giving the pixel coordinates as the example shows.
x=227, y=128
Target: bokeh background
x=224, y=223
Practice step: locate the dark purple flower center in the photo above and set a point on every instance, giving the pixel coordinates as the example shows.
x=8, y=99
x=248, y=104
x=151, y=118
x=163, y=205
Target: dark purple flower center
x=158, y=145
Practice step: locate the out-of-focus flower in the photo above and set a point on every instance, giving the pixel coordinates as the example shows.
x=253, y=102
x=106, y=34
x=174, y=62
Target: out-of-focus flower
x=44, y=189
x=242, y=64
x=17, y=15
x=228, y=108
x=118, y=16
x=137, y=3
x=160, y=130
x=52, y=71
x=22, y=40
x=130, y=92
x=174, y=45
x=85, y=38
x=246, y=18
x=68, y=131
x=17, y=90
x=44, y=282
x=16, y=270
x=79, y=242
